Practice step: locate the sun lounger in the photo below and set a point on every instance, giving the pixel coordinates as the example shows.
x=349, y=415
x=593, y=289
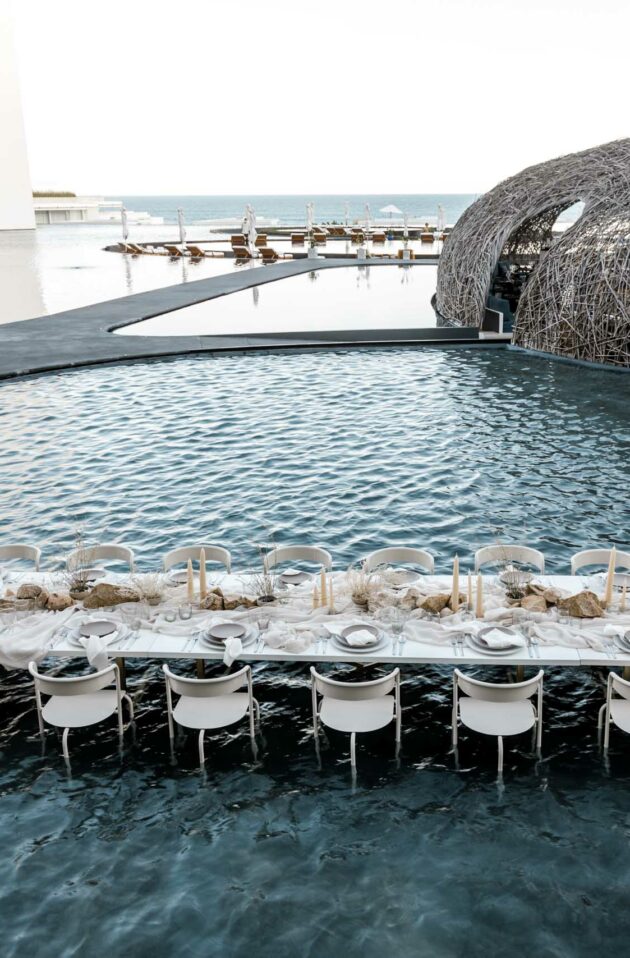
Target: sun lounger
x=378, y=237
x=261, y=240
x=270, y=255
x=172, y=250
x=238, y=239
x=195, y=251
x=426, y=237
x=241, y=252
x=297, y=239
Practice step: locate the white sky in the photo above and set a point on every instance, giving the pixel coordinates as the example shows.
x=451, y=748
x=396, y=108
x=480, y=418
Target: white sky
x=314, y=96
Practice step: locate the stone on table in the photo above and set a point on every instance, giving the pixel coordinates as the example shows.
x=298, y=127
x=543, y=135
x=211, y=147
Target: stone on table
x=212, y=601
x=106, y=593
x=35, y=595
x=584, y=605
x=58, y=601
x=534, y=603
x=239, y=601
x=435, y=603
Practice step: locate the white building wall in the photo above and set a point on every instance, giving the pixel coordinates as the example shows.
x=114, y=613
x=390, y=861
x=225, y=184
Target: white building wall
x=16, y=201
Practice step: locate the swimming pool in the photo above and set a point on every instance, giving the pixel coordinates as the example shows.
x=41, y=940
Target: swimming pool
x=345, y=297
x=447, y=449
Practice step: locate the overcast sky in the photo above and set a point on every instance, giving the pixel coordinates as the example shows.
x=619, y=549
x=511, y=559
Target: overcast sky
x=314, y=96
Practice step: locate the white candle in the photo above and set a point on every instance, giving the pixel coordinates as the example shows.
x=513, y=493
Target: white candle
x=190, y=579
x=479, y=605
x=322, y=578
x=622, y=601
x=315, y=597
x=203, y=586
x=470, y=605
x=331, y=599
x=455, y=587
x=611, y=577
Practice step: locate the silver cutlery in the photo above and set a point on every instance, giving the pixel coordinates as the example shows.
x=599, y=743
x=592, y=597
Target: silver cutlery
x=460, y=642
x=455, y=645
x=535, y=645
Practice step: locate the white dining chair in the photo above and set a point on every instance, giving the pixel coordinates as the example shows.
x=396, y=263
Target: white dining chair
x=184, y=553
x=17, y=550
x=600, y=557
x=299, y=554
x=497, y=709
x=205, y=704
x=78, y=701
x=510, y=553
x=616, y=709
x=356, y=706
x=108, y=550
x=397, y=554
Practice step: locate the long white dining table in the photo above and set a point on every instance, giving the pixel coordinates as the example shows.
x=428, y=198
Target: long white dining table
x=150, y=644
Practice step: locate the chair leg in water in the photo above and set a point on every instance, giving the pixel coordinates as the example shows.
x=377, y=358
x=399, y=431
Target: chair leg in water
x=64, y=743
x=353, y=749
x=202, y=757
x=500, y=744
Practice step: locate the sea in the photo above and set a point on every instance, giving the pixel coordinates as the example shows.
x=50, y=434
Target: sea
x=290, y=210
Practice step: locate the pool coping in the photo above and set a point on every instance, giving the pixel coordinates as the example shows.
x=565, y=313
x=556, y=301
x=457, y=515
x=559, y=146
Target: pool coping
x=84, y=336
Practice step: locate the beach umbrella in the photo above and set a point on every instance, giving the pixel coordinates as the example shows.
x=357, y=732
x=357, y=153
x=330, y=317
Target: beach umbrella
x=346, y=207
x=405, y=226
x=180, y=223
x=390, y=209
x=125, y=225
x=367, y=216
x=245, y=223
x=441, y=219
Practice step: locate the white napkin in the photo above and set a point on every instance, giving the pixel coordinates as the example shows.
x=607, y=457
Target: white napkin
x=615, y=630
x=495, y=639
x=360, y=638
x=96, y=648
x=233, y=648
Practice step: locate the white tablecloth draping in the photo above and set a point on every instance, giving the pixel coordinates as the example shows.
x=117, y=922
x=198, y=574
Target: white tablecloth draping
x=294, y=627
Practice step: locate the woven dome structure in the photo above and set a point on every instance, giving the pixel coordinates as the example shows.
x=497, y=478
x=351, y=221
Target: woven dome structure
x=575, y=300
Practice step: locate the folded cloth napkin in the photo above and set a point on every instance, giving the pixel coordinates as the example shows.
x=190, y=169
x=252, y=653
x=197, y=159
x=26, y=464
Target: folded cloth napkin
x=495, y=639
x=233, y=648
x=96, y=648
x=360, y=638
x=615, y=629
x=280, y=636
x=29, y=639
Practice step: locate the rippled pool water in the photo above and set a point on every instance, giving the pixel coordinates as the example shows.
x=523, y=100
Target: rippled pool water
x=429, y=856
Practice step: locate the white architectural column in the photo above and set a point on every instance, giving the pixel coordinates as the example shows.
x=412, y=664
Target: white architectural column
x=16, y=199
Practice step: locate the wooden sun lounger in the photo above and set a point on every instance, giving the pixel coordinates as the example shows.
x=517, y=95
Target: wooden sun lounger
x=173, y=250
x=241, y=252
x=378, y=237
x=261, y=240
x=195, y=251
x=297, y=239
x=238, y=239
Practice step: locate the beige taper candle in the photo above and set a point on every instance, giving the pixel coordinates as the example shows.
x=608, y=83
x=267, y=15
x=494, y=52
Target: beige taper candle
x=610, y=578
x=455, y=586
x=479, y=604
x=622, y=601
x=331, y=598
x=322, y=578
x=190, y=579
x=203, y=585
x=470, y=605
x=315, y=597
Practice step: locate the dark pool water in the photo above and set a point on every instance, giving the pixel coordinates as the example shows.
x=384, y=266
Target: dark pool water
x=430, y=855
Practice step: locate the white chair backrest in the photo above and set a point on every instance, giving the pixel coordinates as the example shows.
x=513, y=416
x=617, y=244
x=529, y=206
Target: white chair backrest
x=17, y=550
x=491, y=692
x=354, y=691
x=399, y=554
x=619, y=685
x=76, y=684
x=207, y=688
x=510, y=553
x=297, y=554
x=183, y=554
x=108, y=550
x=598, y=557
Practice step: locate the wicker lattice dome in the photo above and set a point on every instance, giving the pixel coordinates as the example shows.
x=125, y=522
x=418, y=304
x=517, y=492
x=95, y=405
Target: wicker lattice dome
x=576, y=301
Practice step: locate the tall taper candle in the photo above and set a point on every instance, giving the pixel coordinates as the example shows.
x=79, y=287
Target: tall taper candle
x=622, y=601
x=322, y=588
x=190, y=579
x=331, y=598
x=610, y=579
x=203, y=585
x=479, y=605
x=315, y=597
x=455, y=586
x=470, y=591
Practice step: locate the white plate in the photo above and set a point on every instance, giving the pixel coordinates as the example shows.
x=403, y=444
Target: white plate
x=92, y=573
x=178, y=577
x=217, y=645
x=342, y=646
x=80, y=641
x=623, y=643
x=97, y=627
x=485, y=650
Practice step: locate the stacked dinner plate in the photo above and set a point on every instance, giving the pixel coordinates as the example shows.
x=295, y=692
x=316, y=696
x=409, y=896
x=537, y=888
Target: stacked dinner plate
x=294, y=577
x=342, y=643
x=105, y=628
x=479, y=643
x=217, y=635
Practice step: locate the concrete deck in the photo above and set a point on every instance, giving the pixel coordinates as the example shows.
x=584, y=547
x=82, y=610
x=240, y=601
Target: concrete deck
x=83, y=337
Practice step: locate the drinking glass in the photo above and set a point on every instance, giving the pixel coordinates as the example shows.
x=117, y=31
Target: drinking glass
x=185, y=611
x=170, y=614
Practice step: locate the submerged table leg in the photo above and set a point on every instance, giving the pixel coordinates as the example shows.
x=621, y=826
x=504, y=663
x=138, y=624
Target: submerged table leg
x=626, y=673
x=201, y=669
x=123, y=674
x=520, y=673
